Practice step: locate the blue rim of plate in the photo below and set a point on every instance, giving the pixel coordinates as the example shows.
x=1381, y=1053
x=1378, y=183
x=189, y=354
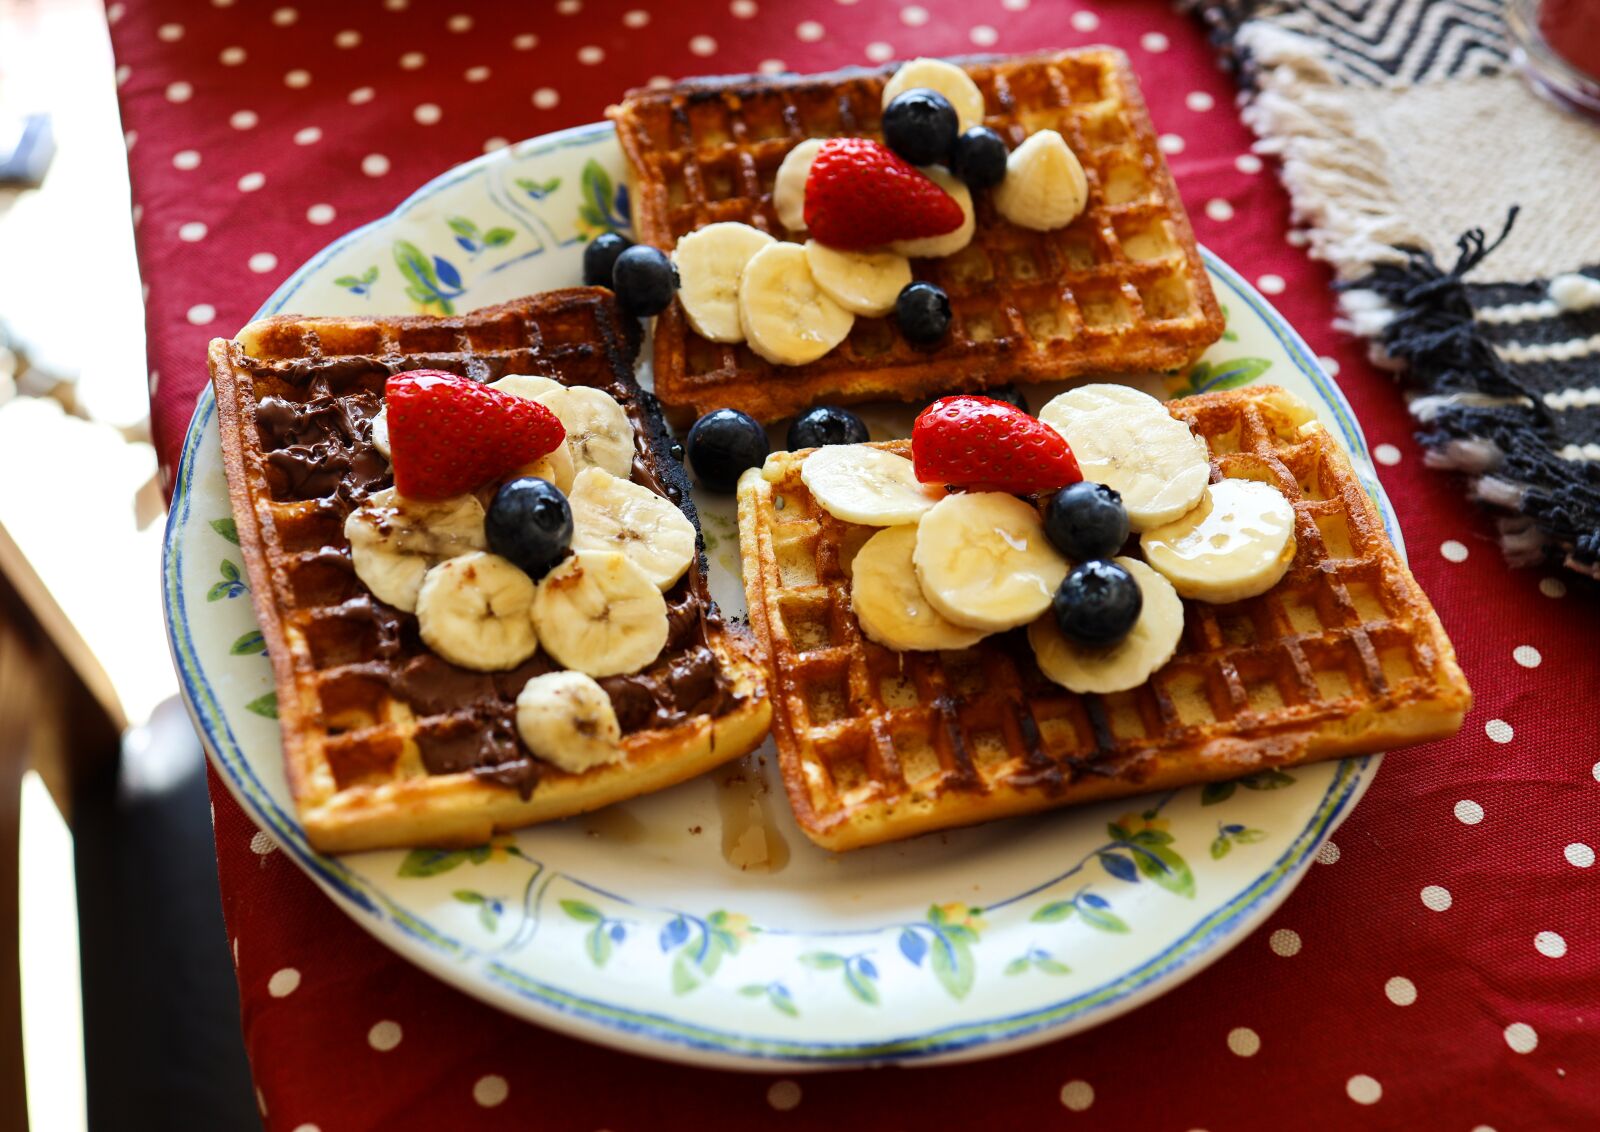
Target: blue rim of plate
x=443, y=956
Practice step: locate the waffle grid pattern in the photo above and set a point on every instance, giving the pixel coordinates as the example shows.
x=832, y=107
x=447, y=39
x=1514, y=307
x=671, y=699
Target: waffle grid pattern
x=348, y=736
x=1121, y=289
x=877, y=745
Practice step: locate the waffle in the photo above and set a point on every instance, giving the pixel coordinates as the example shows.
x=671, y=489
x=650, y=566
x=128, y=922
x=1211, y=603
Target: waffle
x=1344, y=656
x=1120, y=290
x=385, y=744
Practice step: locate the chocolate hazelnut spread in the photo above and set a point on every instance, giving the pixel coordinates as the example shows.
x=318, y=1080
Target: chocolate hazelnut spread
x=317, y=438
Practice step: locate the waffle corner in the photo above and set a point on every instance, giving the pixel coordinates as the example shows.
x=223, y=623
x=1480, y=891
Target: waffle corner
x=1345, y=656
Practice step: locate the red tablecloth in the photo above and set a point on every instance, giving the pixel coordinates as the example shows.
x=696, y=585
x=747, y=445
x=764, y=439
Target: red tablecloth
x=1439, y=969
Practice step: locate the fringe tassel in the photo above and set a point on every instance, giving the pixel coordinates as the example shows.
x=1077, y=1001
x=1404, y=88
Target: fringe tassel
x=1334, y=171
x=1478, y=418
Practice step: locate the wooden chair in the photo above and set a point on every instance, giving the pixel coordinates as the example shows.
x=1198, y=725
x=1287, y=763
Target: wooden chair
x=58, y=715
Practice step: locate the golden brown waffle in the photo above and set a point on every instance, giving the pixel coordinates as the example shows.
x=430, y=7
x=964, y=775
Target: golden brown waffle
x=385, y=743
x=1344, y=656
x=1120, y=290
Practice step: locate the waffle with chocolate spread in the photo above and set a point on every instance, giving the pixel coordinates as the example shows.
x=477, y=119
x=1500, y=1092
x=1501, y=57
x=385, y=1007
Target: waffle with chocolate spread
x=1343, y=656
x=385, y=743
x=1122, y=289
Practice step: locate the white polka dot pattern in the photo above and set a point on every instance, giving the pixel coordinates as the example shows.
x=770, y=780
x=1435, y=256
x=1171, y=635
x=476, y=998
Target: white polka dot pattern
x=783, y=1095
x=283, y=983
x=1363, y=1089
x=1521, y=1037
x=1468, y=812
x=1578, y=854
x=1400, y=990
x=1436, y=898
x=1552, y=945
x=1244, y=1041
x=490, y=1091
x=1284, y=942
x=384, y=1036
x=1077, y=1096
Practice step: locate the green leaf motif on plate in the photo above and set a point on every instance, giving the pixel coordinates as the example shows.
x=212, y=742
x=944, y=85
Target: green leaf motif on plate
x=489, y=909
x=266, y=705
x=538, y=190
x=951, y=931
x=860, y=974
x=604, y=209
x=1037, y=959
x=227, y=528
x=1208, y=377
x=249, y=644
x=701, y=945
x=422, y=277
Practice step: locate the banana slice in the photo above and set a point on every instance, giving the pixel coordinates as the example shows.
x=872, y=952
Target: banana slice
x=380, y=432
x=567, y=719
x=394, y=541
x=710, y=261
x=866, y=283
x=889, y=602
x=477, y=611
x=1044, y=186
x=984, y=561
x=867, y=485
x=1127, y=440
x=789, y=184
x=616, y=514
x=555, y=466
x=946, y=78
x=1126, y=664
x=599, y=434
x=599, y=613
x=1236, y=544
x=933, y=247
x=531, y=386
x=787, y=318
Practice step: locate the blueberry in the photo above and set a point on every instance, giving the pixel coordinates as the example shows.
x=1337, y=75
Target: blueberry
x=923, y=312
x=1086, y=520
x=1097, y=603
x=530, y=523
x=979, y=158
x=722, y=444
x=827, y=424
x=921, y=126
x=600, y=257
x=1010, y=394
x=644, y=280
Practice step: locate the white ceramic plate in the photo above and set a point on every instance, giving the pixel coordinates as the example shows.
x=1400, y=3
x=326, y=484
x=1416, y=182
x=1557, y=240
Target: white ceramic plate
x=633, y=927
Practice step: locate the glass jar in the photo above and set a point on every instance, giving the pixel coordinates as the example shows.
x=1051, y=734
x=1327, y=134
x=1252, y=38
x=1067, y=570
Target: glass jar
x=1557, y=44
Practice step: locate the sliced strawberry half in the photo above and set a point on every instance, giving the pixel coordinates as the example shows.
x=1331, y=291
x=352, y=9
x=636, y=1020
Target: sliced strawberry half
x=860, y=194
x=988, y=445
x=449, y=435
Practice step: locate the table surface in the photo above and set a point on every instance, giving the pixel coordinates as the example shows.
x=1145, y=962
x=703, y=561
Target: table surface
x=1437, y=968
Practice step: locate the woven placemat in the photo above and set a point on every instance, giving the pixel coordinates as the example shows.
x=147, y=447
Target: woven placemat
x=1405, y=133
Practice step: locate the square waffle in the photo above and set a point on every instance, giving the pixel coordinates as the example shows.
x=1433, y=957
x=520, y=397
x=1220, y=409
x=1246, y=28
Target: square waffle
x=1344, y=656
x=385, y=743
x=1120, y=290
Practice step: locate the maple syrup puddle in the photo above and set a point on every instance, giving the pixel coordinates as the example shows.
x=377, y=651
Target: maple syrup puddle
x=751, y=839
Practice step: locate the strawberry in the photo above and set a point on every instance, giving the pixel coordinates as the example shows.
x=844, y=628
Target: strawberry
x=988, y=445
x=860, y=194
x=449, y=435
